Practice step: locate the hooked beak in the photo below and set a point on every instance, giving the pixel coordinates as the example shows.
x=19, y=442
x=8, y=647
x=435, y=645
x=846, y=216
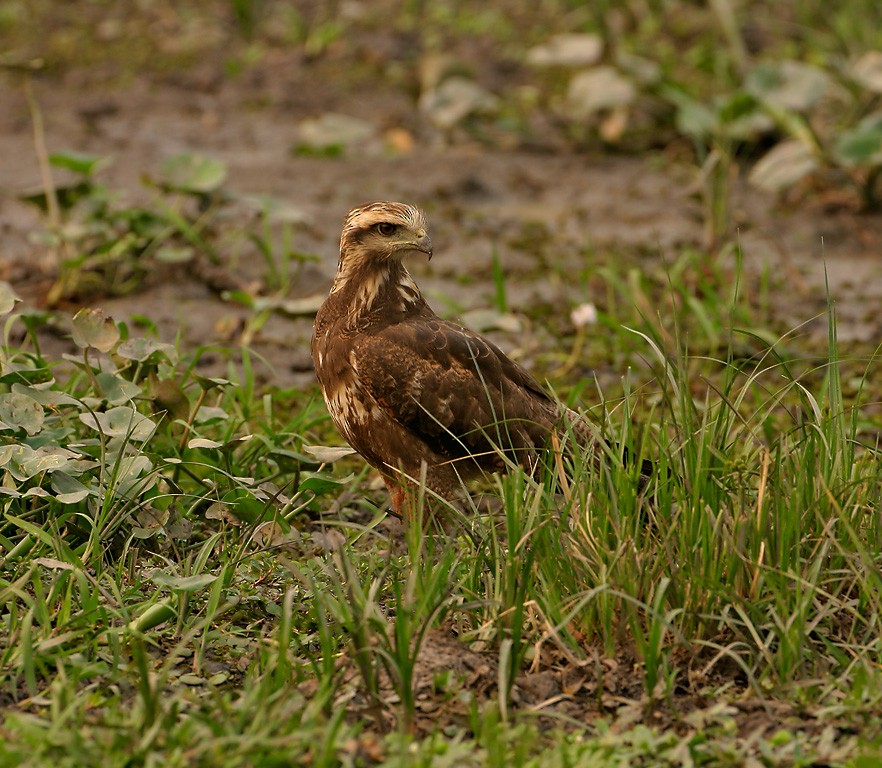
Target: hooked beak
x=424, y=244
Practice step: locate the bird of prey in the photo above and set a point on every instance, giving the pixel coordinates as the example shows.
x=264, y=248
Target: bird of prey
x=422, y=399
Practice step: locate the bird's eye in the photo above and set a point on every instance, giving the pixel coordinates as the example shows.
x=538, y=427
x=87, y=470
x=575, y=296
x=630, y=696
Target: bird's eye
x=385, y=228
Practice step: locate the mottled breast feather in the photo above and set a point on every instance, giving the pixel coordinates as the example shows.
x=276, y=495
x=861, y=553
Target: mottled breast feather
x=414, y=394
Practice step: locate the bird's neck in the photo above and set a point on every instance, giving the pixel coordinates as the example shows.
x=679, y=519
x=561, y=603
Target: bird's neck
x=387, y=288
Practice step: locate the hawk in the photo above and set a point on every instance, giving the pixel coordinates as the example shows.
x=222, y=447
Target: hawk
x=422, y=399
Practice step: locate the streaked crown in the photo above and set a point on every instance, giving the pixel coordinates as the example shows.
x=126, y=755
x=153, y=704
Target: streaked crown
x=371, y=214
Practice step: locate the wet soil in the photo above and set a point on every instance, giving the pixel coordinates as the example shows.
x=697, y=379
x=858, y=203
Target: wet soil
x=535, y=206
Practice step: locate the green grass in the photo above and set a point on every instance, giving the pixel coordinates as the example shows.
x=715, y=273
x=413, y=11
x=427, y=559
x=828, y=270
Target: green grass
x=174, y=590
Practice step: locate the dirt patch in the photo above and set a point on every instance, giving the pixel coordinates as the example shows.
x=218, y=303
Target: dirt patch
x=536, y=212
x=454, y=682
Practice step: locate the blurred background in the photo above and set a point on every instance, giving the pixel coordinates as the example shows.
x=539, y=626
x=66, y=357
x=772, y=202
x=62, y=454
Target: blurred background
x=191, y=163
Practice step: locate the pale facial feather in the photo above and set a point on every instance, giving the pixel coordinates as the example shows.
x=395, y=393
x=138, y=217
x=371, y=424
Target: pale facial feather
x=368, y=259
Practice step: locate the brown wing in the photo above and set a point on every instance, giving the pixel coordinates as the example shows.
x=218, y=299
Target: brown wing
x=454, y=389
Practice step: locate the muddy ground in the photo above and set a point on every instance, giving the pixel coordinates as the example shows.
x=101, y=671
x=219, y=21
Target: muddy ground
x=533, y=201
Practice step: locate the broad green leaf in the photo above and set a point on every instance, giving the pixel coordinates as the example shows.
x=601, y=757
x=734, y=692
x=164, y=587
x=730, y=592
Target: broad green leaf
x=202, y=442
x=8, y=298
x=143, y=349
x=862, y=145
x=170, y=254
x=69, y=490
x=321, y=484
x=276, y=209
x=49, y=458
x=131, y=469
x=150, y=521
x=122, y=421
x=867, y=70
x=51, y=398
x=694, y=118
x=67, y=195
x=23, y=462
x=597, y=89
x=116, y=389
x=242, y=505
x=327, y=454
x=153, y=616
x=6, y=453
x=787, y=84
x=191, y=678
x=782, y=166
x=54, y=564
x=133, y=477
x=92, y=328
x=79, y=162
x=18, y=411
x=230, y=445
x=208, y=413
x=182, y=583
x=26, y=368
x=210, y=382
x=194, y=173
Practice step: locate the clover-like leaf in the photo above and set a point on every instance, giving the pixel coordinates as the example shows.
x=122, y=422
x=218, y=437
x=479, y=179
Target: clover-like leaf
x=209, y=413
x=121, y=421
x=93, y=328
x=69, y=490
x=52, y=398
x=150, y=522
x=194, y=173
x=116, y=389
x=143, y=349
x=23, y=462
x=132, y=477
x=220, y=511
x=18, y=411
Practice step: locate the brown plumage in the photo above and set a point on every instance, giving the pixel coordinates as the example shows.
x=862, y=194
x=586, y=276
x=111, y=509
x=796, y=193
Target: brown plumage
x=418, y=396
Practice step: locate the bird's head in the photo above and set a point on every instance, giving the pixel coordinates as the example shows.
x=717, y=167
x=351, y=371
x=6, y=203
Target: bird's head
x=384, y=232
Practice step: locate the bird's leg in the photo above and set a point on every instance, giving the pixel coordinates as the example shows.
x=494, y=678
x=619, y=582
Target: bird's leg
x=398, y=498
x=408, y=502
